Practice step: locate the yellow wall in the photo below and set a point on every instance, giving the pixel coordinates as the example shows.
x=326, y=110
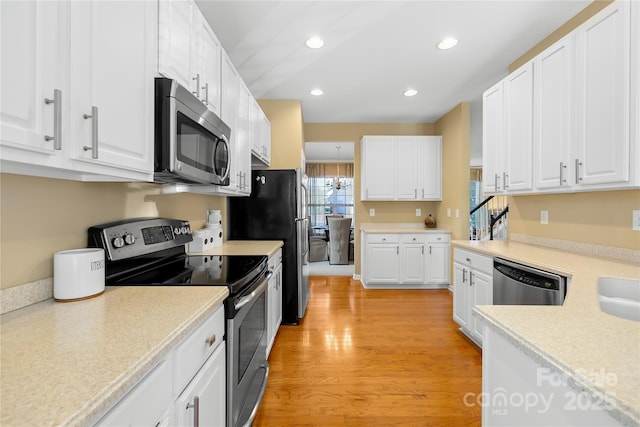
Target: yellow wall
x=602, y=218
x=456, y=145
x=41, y=216
x=385, y=211
x=287, y=137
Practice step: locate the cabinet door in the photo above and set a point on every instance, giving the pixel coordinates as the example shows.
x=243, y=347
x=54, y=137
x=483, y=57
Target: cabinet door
x=244, y=137
x=482, y=290
x=33, y=66
x=413, y=263
x=112, y=46
x=175, y=40
x=553, y=92
x=438, y=264
x=406, y=168
x=207, y=64
x=209, y=388
x=492, y=138
x=518, y=143
x=430, y=168
x=378, y=168
x=229, y=96
x=461, y=291
x=146, y=403
x=602, y=78
x=383, y=263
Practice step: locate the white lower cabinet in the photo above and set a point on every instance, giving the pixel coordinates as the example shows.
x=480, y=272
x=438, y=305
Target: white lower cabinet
x=204, y=398
x=274, y=299
x=472, y=285
x=510, y=375
x=405, y=260
x=190, y=379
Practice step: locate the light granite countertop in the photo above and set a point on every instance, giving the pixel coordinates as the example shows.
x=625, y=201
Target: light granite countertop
x=245, y=247
x=69, y=363
x=576, y=339
x=400, y=228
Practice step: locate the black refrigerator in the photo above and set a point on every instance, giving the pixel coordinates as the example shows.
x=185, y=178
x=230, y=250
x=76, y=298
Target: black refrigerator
x=277, y=210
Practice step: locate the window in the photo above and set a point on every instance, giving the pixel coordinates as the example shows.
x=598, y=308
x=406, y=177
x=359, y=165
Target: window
x=326, y=196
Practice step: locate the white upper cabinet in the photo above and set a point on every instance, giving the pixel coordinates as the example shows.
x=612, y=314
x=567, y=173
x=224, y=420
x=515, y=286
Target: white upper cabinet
x=492, y=138
x=33, y=68
x=111, y=80
x=77, y=84
x=401, y=167
x=189, y=51
x=602, y=97
x=518, y=102
x=581, y=134
x=552, y=114
x=508, y=133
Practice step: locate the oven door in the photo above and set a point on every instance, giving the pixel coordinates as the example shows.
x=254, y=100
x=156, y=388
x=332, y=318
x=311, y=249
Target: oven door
x=246, y=352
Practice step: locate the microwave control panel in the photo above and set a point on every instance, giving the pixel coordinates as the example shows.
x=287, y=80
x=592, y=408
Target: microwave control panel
x=131, y=238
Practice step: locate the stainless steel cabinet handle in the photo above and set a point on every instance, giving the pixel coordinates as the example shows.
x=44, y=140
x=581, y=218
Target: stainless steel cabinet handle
x=429, y=249
x=211, y=340
x=505, y=177
x=562, y=168
x=578, y=164
x=57, y=119
x=206, y=93
x=196, y=411
x=470, y=278
x=94, y=132
x=496, y=178
x=415, y=193
x=464, y=275
x=397, y=250
x=423, y=193
x=197, y=91
x=422, y=249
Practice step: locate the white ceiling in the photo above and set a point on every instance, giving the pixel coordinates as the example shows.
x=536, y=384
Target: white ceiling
x=328, y=151
x=374, y=50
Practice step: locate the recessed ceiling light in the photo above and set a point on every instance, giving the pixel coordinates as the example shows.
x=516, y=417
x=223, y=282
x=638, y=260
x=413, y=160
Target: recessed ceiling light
x=317, y=92
x=314, y=42
x=447, y=43
x=410, y=92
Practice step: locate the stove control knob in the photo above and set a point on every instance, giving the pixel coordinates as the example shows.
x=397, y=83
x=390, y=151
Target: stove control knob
x=183, y=230
x=118, y=242
x=176, y=230
x=129, y=239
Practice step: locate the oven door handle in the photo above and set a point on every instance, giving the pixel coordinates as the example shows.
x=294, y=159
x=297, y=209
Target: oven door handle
x=247, y=299
x=254, y=411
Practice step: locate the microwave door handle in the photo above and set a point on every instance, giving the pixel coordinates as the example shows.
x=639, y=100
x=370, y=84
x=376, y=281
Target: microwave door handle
x=228, y=168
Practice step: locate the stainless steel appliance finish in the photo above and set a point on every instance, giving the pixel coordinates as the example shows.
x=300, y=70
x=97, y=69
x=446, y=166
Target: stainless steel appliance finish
x=277, y=210
x=517, y=284
x=191, y=142
x=151, y=252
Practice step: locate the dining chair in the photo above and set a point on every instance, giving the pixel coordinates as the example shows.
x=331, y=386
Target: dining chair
x=339, y=233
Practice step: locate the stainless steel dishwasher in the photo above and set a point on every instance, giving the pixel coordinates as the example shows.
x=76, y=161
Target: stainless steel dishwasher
x=517, y=284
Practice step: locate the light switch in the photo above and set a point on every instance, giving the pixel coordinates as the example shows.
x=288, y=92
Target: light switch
x=418, y=212
x=448, y=212
x=372, y=212
x=636, y=220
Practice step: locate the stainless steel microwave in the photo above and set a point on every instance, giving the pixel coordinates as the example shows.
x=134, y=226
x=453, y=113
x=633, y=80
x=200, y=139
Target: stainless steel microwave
x=191, y=142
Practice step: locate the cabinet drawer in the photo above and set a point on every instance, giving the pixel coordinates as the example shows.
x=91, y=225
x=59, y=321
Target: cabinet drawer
x=413, y=238
x=438, y=238
x=474, y=260
x=383, y=238
x=193, y=351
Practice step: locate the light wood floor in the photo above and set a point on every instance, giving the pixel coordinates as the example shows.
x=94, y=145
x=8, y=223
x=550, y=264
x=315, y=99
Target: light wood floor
x=372, y=358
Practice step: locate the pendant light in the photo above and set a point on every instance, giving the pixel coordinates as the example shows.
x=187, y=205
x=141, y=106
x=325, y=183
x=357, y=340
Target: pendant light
x=338, y=184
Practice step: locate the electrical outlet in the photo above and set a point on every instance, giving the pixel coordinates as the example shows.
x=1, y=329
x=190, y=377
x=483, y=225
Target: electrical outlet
x=448, y=212
x=636, y=220
x=544, y=217
x=418, y=212
x=457, y=213
x=372, y=212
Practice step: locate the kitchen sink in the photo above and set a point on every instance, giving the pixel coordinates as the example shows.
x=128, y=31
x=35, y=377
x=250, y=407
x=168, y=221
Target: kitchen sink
x=620, y=297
